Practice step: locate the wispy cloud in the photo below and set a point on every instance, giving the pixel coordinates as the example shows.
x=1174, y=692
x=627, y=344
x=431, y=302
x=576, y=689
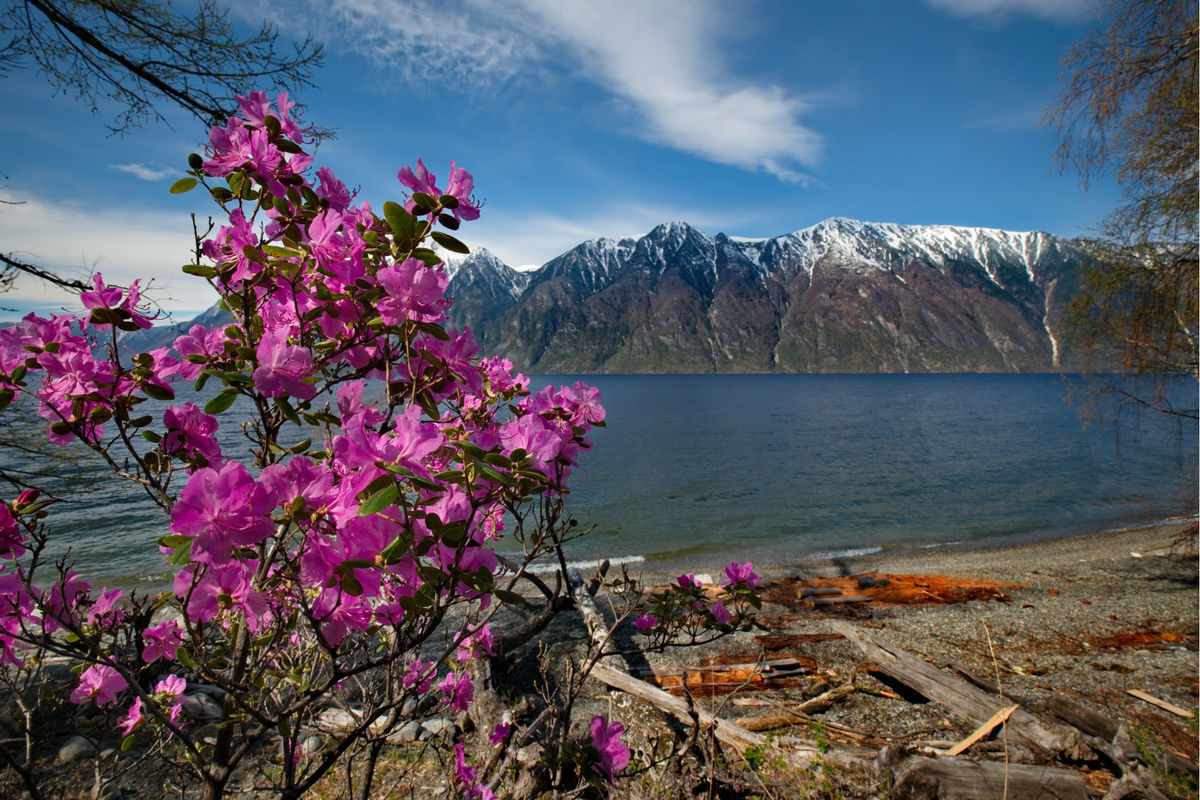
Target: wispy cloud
x=146, y=172
x=666, y=59
x=662, y=59
x=122, y=243
x=542, y=236
x=459, y=42
x=1056, y=10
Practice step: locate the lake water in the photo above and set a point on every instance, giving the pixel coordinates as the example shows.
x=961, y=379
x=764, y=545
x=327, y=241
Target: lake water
x=703, y=468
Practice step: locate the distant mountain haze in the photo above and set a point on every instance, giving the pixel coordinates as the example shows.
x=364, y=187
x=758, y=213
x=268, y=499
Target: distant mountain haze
x=840, y=296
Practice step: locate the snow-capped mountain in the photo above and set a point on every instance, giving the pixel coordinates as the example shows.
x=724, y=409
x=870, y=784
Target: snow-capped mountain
x=841, y=295
x=484, y=288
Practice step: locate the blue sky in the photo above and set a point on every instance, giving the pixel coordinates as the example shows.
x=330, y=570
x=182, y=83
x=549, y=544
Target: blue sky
x=583, y=119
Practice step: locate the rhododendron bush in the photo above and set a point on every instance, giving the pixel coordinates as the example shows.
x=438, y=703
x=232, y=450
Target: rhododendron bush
x=348, y=563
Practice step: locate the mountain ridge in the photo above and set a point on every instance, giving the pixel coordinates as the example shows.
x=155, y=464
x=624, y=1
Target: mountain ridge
x=839, y=296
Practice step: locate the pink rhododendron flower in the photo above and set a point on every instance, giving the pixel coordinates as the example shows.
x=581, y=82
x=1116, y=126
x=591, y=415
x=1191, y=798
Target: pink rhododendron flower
x=161, y=641
x=104, y=612
x=458, y=690
x=688, y=581
x=606, y=738
x=500, y=733
x=721, y=613
x=221, y=509
x=222, y=587
x=414, y=292
x=419, y=675
x=460, y=185
x=11, y=535
x=738, y=572
x=281, y=366
x=475, y=644
x=99, y=684
x=169, y=692
x=133, y=719
x=191, y=433
x=645, y=622
x=467, y=775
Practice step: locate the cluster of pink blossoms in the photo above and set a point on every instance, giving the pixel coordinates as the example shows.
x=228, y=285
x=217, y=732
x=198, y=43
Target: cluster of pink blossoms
x=390, y=521
x=326, y=296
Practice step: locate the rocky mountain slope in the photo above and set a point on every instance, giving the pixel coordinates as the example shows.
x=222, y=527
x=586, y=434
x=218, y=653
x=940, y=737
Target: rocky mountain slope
x=840, y=296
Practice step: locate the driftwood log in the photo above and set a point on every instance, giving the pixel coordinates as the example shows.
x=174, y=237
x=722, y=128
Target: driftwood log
x=787, y=717
x=919, y=778
x=967, y=701
x=736, y=737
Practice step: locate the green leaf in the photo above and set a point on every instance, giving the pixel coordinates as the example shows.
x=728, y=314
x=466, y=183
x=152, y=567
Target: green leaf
x=351, y=586
x=505, y=596
x=431, y=258
x=60, y=428
x=379, y=501
x=181, y=555
x=127, y=742
x=151, y=436
x=158, y=392
x=6, y=397
x=300, y=447
x=173, y=540
x=284, y=406
x=449, y=242
x=448, y=221
x=183, y=185
x=221, y=402
x=400, y=221
x=200, y=270
x=195, y=161
x=185, y=658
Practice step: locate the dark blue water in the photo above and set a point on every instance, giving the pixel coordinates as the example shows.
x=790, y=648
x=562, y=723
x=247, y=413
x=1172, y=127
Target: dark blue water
x=785, y=467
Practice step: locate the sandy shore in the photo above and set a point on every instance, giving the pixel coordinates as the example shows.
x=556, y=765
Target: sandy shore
x=1087, y=618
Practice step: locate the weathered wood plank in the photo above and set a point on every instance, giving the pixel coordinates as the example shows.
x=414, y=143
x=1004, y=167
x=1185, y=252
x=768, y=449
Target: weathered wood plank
x=958, y=779
x=965, y=700
x=983, y=730
x=801, y=756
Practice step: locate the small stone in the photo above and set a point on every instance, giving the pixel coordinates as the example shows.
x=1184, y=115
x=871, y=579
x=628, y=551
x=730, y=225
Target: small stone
x=200, y=706
x=337, y=720
x=311, y=744
x=436, y=727
x=215, y=692
x=106, y=791
x=408, y=732
x=74, y=749
x=206, y=734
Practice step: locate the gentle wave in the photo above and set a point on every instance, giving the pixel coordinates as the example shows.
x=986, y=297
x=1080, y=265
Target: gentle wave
x=544, y=567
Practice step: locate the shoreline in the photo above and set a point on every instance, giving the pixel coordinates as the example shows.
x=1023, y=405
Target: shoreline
x=967, y=558
x=1089, y=618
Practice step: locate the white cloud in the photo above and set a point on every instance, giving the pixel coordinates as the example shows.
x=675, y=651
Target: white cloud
x=543, y=236
x=663, y=59
x=146, y=172
x=123, y=244
x=469, y=42
x=1057, y=10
